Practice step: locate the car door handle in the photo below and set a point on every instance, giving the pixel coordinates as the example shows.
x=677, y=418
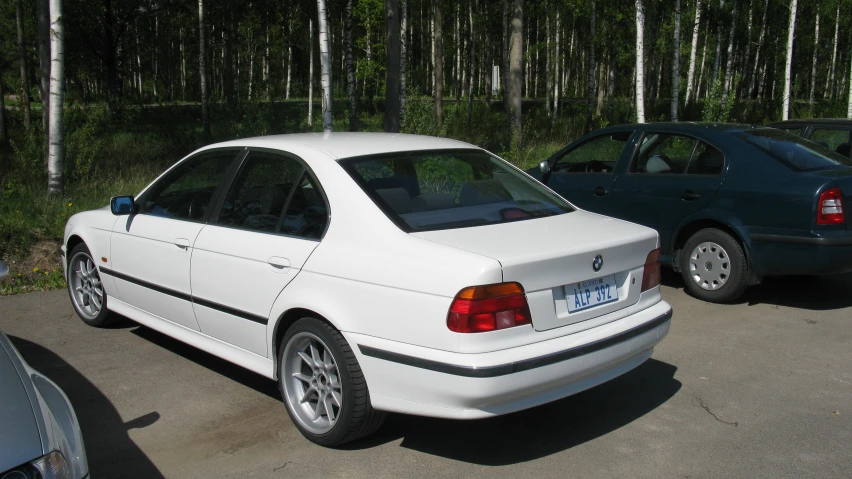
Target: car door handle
x=600, y=191
x=182, y=244
x=278, y=264
x=690, y=195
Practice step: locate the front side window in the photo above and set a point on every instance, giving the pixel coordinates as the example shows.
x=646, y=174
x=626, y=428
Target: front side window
x=835, y=140
x=445, y=189
x=598, y=155
x=185, y=192
x=794, y=152
x=260, y=190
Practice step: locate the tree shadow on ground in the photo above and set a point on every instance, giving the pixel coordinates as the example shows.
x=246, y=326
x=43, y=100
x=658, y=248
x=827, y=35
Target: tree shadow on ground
x=109, y=449
x=540, y=431
x=816, y=293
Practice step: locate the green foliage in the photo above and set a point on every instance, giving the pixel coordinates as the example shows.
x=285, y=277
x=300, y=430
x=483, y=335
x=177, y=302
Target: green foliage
x=714, y=109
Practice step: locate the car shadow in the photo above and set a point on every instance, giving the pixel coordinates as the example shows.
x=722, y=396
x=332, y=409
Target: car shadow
x=540, y=431
x=109, y=450
x=815, y=293
x=214, y=363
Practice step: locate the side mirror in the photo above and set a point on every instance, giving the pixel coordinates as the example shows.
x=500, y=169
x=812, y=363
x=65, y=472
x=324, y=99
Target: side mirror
x=544, y=168
x=122, y=205
x=4, y=271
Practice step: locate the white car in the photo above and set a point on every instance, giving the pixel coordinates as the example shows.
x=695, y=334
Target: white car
x=375, y=272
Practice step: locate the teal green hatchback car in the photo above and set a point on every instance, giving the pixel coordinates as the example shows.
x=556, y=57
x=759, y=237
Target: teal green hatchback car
x=732, y=203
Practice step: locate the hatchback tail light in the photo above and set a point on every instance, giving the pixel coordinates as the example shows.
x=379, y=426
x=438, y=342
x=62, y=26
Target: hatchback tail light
x=651, y=273
x=830, y=208
x=487, y=308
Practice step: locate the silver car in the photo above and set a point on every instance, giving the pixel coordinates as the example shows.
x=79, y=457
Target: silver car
x=39, y=433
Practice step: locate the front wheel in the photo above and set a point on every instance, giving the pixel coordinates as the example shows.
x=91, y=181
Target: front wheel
x=322, y=385
x=714, y=266
x=85, y=288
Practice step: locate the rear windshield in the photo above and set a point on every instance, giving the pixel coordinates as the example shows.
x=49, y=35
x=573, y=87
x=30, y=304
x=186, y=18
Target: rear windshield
x=444, y=189
x=795, y=152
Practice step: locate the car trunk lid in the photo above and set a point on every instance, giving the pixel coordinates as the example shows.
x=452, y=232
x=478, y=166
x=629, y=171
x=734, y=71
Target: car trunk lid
x=554, y=259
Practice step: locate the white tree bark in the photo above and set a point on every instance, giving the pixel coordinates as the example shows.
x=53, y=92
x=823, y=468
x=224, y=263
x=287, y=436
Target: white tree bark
x=743, y=80
x=593, y=70
x=251, y=66
x=717, y=60
x=516, y=54
x=325, y=66
x=814, y=65
x=350, y=70
x=202, y=70
x=849, y=106
x=729, y=68
x=505, y=79
x=829, y=80
x=311, y=74
x=640, y=61
x=760, y=38
x=788, y=64
x=403, y=58
x=692, y=52
x=548, y=87
x=56, y=144
x=676, y=63
x=558, y=64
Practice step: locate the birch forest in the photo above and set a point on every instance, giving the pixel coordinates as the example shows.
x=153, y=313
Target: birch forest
x=518, y=77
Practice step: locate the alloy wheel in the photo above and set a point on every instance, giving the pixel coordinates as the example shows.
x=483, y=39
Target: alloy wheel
x=312, y=384
x=87, y=291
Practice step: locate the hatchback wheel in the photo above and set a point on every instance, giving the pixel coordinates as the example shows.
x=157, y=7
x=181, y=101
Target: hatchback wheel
x=322, y=385
x=713, y=266
x=85, y=288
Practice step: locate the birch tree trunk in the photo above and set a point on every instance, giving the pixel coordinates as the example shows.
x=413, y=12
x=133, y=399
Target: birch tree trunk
x=472, y=60
x=640, y=61
x=849, y=105
x=505, y=75
x=350, y=71
x=730, y=61
x=154, y=47
x=251, y=66
x=717, y=61
x=548, y=71
x=289, y=71
x=814, y=65
x=788, y=64
x=403, y=59
x=182, y=51
x=202, y=73
x=593, y=70
x=676, y=62
x=56, y=146
x=265, y=64
x=516, y=54
x=829, y=81
x=22, y=59
x=325, y=66
x=43, y=17
x=392, y=71
x=457, y=73
x=439, y=63
x=760, y=38
x=556, y=64
x=699, y=80
x=744, y=80
x=311, y=74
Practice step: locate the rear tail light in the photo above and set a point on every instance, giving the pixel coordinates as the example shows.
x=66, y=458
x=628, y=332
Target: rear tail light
x=487, y=308
x=651, y=273
x=830, y=208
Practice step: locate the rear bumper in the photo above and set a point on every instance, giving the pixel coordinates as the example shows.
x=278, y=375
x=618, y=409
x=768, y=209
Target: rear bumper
x=774, y=254
x=415, y=380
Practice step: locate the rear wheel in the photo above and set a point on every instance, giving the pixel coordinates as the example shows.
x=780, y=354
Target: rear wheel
x=714, y=266
x=85, y=288
x=322, y=385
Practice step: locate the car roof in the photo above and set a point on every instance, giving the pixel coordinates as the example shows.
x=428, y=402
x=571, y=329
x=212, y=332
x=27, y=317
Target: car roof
x=845, y=122
x=687, y=126
x=347, y=145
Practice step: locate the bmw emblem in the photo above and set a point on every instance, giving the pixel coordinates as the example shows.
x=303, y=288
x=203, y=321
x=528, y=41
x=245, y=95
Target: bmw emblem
x=597, y=264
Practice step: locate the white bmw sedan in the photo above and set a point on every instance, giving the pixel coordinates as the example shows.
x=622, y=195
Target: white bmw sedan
x=369, y=273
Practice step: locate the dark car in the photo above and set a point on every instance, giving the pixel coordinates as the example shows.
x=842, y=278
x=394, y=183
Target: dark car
x=832, y=133
x=732, y=203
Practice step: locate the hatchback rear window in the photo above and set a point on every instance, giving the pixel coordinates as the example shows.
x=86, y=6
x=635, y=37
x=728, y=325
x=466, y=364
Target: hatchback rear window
x=445, y=189
x=793, y=151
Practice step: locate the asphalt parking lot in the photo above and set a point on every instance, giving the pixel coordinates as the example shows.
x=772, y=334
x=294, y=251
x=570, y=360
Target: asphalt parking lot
x=761, y=388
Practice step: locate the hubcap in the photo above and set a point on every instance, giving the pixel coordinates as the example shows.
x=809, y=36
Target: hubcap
x=312, y=386
x=85, y=285
x=709, y=266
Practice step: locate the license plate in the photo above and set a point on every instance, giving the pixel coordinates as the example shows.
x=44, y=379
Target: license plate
x=591, y=293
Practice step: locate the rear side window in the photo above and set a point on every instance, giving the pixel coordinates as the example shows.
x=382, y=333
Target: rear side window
x=307, y=213
x=835, y=140
x=444, y=189
x=668, y=154
x=794, y=152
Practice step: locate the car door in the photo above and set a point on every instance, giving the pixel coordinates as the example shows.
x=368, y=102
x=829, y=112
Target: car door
x=267, y=225
x=669, y=177
x=584, y=174
x=151, y=250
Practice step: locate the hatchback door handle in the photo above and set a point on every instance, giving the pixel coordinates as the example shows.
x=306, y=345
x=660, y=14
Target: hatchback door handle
x=182, y=244
x=278, y=264
x=600, y=191
x=690, y=195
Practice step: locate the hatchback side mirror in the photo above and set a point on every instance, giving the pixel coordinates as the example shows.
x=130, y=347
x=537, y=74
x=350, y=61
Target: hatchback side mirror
x=4, y=271
x=122, y=205
x=544, y=168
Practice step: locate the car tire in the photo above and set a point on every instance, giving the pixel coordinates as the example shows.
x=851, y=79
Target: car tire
x=322, y=385
x=714, y=266
x=86, y=289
